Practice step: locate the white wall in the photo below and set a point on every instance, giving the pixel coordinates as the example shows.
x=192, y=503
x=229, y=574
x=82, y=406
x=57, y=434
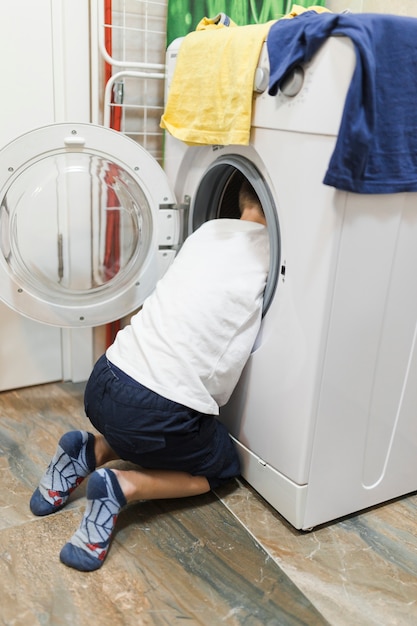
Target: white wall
x=397, y=7
x=45, y=77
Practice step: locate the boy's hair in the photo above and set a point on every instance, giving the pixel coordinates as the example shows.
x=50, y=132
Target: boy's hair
x=248, y=197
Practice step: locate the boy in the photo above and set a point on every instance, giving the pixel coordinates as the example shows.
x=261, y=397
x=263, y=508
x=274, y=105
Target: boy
x=155, y=394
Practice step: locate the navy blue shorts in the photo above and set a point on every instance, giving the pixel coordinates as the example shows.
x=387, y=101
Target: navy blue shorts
x=147, y=429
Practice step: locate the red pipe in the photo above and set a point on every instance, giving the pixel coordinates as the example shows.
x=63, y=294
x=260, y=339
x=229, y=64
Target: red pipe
x=108, y=37
x=112, y=238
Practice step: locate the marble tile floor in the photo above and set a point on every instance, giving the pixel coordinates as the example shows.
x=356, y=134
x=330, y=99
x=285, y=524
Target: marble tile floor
x=225, y=558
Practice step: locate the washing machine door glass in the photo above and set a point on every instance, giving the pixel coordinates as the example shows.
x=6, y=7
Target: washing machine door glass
x=87, y=225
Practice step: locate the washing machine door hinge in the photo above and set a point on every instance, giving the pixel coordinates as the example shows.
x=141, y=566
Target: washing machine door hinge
x=173, y=230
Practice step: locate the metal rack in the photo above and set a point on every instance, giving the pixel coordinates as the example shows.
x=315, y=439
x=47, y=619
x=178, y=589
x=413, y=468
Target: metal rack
x=131, y=40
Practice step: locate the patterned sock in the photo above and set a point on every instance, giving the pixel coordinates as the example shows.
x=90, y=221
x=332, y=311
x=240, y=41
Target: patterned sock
x=72, y=462
x=89, y=545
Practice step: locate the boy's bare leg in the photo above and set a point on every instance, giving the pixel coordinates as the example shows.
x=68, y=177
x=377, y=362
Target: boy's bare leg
x=159, y=484
x=102, y=451
x=146, y=484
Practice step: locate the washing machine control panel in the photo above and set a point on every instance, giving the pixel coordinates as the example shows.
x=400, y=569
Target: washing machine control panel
x=311, y=97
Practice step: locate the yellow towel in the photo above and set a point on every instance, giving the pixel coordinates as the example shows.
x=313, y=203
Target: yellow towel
x=296, y=9
x=221, y=20
x=211, y=94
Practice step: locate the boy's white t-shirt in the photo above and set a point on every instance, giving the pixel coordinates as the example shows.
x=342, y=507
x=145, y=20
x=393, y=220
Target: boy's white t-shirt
x=194, y=334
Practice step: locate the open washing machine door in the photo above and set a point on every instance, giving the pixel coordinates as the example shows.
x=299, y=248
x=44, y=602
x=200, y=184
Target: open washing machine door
x=88, y=224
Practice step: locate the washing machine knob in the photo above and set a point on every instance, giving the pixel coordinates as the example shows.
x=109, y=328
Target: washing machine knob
x=292, y=82
x=261, y=79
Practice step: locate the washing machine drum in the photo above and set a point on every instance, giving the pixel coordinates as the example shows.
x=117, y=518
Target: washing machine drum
x=80, y=224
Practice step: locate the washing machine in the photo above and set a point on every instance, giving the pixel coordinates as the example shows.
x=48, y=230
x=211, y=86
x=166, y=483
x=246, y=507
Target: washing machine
x=324, y=412
x=323, y=415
